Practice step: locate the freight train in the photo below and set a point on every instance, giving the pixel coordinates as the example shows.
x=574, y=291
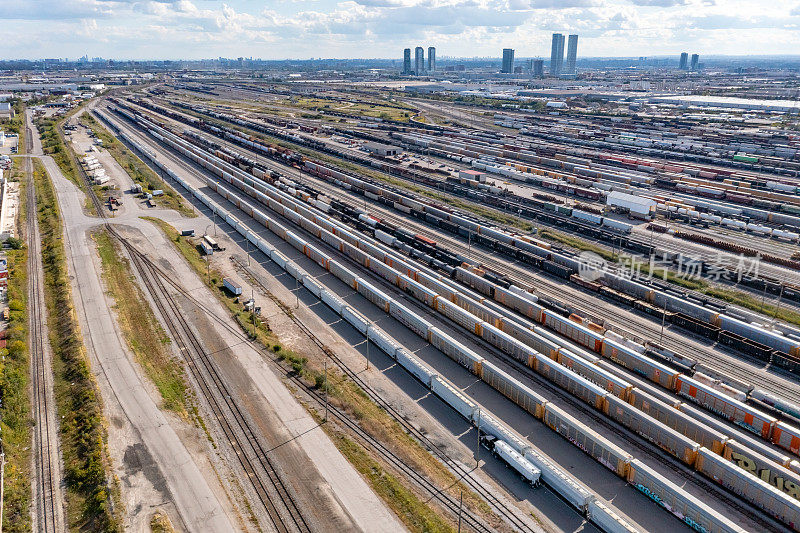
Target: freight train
x=399, y=272
x=532, y=208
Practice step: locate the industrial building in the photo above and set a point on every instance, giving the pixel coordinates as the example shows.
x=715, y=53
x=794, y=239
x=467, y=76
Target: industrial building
x=419, y=61
x=382, y=149
x=508, y=61
x=557, y=54
x=572, y=54
x=431, y=59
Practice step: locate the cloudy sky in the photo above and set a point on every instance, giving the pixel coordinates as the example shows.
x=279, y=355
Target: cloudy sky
x=194, y=29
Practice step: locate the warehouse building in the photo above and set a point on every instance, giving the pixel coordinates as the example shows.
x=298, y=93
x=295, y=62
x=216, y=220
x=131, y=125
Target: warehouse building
x=382, y=149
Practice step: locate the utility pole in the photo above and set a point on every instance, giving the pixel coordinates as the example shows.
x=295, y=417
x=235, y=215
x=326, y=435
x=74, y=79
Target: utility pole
x=325, y=384
x=478, y=449
x=460, y=506
x=778, y=307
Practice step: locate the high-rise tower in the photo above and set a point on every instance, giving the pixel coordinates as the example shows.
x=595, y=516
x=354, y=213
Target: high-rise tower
x=419, y=61
x=572, y=54
x=431, y=59
x=557, y=54
x=508, y=61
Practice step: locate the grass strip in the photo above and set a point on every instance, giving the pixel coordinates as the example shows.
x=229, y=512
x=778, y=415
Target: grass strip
x=139, y=172
x=142, y=330
x=83, y=435
x=15, y=404
x=412, y=511
x=342, y=392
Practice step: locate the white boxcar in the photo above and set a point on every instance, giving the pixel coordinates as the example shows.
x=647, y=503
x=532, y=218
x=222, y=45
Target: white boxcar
x=601, y=449
x=455, y=350
x=409, y=319
x=659, y=434
x=459, y=316
x=338, y=270
x=415, y=366
x=608, y=519
x=452, y=397
x=512, y=389
x=383, y=341
x=333, y=301
x=355, y=319
x=560, y=481
x=750, y=487
x=371, y=293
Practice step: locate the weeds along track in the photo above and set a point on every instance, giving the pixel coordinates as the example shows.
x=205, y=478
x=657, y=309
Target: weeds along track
x=48, y=472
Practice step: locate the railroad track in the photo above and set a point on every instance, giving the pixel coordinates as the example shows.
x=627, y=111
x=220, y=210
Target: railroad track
x=733, y=502
x=152, y=272
x=252, y=454
x=462, y=473
x=655, y=454
x=640, y=331
x=48, y=505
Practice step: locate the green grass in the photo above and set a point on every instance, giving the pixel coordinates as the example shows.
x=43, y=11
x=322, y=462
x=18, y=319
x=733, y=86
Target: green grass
x=137, y=169
x=343, y=106
x=15, y=408
x=417, y=515
x=144, y=334
x=83, y=436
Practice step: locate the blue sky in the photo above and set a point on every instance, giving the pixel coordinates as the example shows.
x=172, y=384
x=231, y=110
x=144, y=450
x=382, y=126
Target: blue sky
x=195, y=29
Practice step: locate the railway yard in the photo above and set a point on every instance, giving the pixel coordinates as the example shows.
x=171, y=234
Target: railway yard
x=579, y=321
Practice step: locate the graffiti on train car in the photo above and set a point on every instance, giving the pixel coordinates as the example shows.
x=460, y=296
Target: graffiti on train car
x=789, y=487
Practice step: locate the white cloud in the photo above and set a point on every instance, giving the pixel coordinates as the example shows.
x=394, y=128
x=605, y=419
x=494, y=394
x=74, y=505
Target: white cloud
x=381, y=28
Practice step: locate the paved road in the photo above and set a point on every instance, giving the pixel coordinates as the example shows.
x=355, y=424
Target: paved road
x=197, y=505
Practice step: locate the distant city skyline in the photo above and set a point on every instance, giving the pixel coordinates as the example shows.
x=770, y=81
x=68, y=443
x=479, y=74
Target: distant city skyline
x=202, y=29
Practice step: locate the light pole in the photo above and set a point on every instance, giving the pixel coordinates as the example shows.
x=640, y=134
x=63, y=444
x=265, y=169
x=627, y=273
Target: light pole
x=367, y=341
x=253, y=309
x=478, y=448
